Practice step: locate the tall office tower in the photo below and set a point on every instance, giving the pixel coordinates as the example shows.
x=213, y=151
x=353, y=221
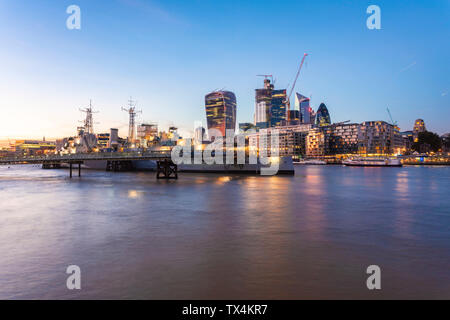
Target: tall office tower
x=323, y=116
x=221, y=111
x=263, y=100
x=419, y=126
x=261, y=115
x=270, y=107
x=302, y=104
x=278, y=108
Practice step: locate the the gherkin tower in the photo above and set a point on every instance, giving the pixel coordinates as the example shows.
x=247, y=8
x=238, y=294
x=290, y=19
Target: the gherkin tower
x=323, y=117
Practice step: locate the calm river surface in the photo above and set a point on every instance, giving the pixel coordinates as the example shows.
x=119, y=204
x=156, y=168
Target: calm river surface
x=207, y=236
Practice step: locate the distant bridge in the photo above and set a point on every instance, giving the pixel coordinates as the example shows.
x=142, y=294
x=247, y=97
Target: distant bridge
x=166, y=169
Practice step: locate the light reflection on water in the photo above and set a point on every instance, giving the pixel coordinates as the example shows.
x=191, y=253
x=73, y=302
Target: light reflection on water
x=210, y=236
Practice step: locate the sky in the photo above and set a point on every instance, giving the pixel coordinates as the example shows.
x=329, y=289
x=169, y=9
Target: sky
x=168, y=54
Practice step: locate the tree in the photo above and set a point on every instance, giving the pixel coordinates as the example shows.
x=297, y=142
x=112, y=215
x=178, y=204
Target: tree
x=427, y=141
x=446, y=141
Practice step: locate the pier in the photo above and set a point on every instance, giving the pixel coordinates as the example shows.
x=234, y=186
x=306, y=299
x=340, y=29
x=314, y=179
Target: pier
x=116, y=161
x=425, y=159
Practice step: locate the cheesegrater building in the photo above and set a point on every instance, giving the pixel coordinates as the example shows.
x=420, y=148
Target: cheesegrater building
x=302, y=104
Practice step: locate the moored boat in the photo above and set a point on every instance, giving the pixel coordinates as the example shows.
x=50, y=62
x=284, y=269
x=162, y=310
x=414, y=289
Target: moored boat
x=278, y=165
x=372, y=162
x=311, y=161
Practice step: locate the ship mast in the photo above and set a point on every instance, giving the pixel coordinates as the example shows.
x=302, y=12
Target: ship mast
x=132, y=121
x=88, y=121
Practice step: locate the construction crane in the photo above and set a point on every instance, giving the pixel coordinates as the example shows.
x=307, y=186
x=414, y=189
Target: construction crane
x=394, y=123
x=288, y=97
x=342, y=122
x=266, y=76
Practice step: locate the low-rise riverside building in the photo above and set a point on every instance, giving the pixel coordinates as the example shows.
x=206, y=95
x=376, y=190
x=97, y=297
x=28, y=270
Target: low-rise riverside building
x=291, y=140
x=335, y=140
x=380, y=138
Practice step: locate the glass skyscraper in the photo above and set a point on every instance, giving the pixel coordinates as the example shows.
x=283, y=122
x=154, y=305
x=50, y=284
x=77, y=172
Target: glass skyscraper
x=221, y=111
x=270, y=108
x=323, y=116
x=302, y=104
x=278, y=108
x=263, y=98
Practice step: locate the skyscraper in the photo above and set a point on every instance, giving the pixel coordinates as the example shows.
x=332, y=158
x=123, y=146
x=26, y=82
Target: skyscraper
x=278, y=108
x=263, y=100
x=322, y=116
x=270, y=108
x=302, y=104
x=221, y=111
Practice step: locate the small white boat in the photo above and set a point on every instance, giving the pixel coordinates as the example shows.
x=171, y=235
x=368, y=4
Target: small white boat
x=312, y=161
x=372, y=162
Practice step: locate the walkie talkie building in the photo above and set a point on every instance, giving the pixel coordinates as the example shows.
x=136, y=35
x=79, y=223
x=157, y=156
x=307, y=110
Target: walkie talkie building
x=221, y=111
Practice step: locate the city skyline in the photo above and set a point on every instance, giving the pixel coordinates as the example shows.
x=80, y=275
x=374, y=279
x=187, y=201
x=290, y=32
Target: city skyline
x=160, y=54
x=224, y=159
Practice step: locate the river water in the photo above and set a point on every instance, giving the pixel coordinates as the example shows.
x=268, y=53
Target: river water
x=207, y=236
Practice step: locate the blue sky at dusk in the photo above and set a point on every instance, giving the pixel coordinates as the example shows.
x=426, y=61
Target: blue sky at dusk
x=169, y=54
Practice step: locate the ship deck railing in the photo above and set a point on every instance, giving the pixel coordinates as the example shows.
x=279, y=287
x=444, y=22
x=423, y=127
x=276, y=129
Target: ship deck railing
x=79, y=157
